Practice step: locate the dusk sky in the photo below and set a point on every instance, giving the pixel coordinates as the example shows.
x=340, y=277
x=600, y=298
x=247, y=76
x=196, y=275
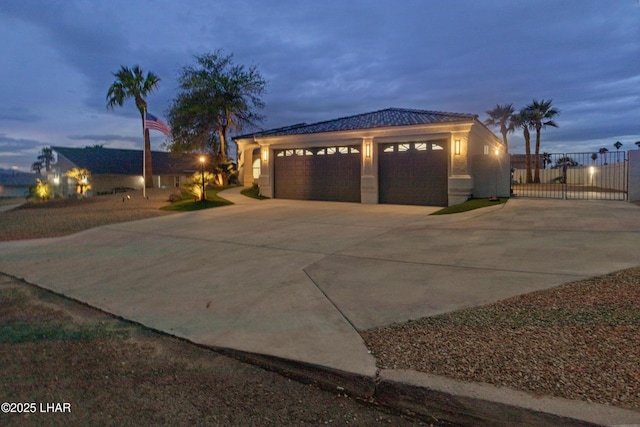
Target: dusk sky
x=322, y=60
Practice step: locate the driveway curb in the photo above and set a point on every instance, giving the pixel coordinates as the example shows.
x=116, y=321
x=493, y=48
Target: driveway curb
x=440, y=399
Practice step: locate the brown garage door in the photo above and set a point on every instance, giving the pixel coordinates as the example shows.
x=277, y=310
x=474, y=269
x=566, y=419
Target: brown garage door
x=413, y=173
x=327, y=173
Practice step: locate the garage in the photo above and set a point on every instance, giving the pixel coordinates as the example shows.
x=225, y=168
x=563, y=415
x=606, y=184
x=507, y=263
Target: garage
x=395, y=156
x=320, y=173
x=413, y=173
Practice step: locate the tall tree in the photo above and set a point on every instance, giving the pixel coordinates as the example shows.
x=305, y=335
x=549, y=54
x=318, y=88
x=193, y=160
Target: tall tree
x=522, y=120
x=501, y=117
x=542, y=114
x=132, y=83
x=46, y=158
x=216, y=96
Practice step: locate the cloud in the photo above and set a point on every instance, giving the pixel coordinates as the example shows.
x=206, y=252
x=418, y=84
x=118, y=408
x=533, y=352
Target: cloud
x=106, y=138
x=19, y=115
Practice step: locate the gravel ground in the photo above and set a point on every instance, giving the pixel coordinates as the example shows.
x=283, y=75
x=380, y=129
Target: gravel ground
x=60, y=217
x=578, y=341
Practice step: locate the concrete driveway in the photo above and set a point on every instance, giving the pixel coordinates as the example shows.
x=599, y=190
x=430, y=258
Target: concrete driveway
x=297, y=279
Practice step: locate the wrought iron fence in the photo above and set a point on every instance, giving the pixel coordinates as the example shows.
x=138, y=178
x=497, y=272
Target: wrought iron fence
x=589, y=176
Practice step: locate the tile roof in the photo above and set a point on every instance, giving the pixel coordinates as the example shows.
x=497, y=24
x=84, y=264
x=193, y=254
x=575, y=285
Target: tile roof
x=383, y=118
x=110, y=161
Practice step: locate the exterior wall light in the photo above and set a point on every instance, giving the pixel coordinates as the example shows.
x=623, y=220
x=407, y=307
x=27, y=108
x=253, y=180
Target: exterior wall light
x=367, y=150
x=456, y=150
x=265, y=154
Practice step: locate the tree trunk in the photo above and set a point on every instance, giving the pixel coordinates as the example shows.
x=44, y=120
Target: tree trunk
x=222, y=133
x=527, y=146
x=148, y=172
x=504, y=139
x=536, y=179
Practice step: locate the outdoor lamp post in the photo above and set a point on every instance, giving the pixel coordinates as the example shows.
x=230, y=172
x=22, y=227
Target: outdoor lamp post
x=202, y=170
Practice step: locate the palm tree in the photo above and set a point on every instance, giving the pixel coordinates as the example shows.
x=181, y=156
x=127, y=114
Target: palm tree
x=501, y=116
x=542, y=114
x=618, y=144
x=132, y=83
x=522, y=120
x=46, y=158
x=603, y=151
x=637, y=143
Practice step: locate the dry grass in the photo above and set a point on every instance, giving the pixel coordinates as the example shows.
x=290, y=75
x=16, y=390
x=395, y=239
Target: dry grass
x=112, y=372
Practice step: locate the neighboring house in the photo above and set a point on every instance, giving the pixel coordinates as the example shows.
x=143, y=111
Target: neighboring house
x=115, y=169
x=16, y=184
x=398, y=156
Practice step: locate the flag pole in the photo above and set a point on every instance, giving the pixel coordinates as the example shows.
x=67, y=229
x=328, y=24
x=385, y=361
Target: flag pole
x=144, y=153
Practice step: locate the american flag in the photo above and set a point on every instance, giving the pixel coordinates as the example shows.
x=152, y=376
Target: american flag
x=152, y=122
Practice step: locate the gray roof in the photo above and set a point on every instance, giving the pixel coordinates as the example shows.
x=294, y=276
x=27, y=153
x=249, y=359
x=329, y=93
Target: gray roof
x=11, y=178
x=110, y=161
x=383, y=118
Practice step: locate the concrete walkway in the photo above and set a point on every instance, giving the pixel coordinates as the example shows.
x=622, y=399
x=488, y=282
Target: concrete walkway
x=296, y=280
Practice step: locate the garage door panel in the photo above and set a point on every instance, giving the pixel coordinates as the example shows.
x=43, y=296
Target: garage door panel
x=333, y=175
x=413, y=173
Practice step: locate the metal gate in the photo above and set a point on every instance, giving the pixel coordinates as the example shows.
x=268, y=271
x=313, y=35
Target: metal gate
x=587, y=176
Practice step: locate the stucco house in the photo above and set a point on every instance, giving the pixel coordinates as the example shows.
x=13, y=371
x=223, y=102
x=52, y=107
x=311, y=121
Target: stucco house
x=112, y=169
x=395, y=155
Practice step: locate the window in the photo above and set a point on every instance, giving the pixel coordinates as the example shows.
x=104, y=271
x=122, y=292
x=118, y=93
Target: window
x=256, y=167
